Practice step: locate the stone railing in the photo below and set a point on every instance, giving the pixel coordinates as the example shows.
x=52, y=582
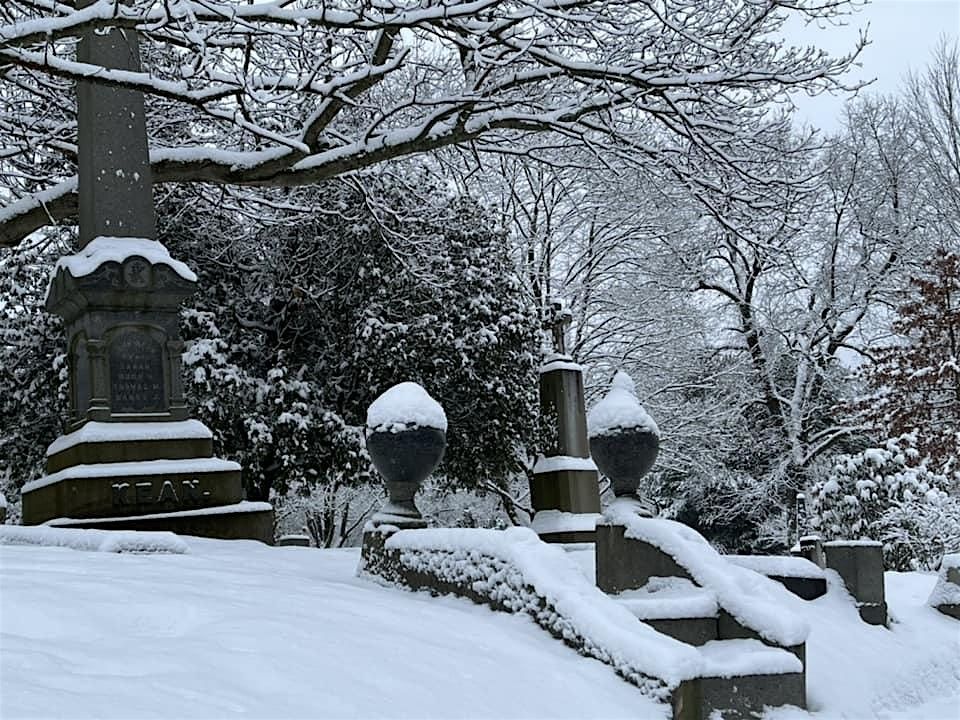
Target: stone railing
x=513, y=571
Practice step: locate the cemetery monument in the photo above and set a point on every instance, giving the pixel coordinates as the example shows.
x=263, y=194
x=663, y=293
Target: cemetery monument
x=131, y=457
x=564, y=489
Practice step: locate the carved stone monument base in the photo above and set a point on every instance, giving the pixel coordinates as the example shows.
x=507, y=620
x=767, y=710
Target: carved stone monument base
x=131, y=458
x=572, y=493
x=107, y=484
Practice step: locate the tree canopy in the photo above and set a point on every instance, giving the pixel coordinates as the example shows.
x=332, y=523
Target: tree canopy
x=289, y=93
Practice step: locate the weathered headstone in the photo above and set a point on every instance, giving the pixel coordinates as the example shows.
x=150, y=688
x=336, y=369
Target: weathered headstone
x=564, y=489
x=131, y=458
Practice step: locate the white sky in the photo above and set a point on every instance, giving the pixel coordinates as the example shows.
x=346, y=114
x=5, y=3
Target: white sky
x=902, y=33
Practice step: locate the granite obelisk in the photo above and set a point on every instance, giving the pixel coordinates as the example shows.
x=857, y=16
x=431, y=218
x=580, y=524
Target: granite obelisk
x=564, y=488
x=130, y=457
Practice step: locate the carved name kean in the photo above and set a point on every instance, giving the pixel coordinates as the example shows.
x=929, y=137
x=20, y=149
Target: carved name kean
x=146, y=493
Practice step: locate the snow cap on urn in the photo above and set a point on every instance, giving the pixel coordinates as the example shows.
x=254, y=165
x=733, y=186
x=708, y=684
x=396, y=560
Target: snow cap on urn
x=620, y=410
x=405, y=406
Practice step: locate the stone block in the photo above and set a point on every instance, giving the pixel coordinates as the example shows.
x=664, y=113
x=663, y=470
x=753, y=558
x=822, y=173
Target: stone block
x=686, y=701
x=91, y=453
x=627, y=564
x=860, y=565
x=950, y=609
x=693, y=631
x=293, y=541
x=873, y=613
x=742, y=697
x=861, y=568
x=238, y=524
x=806, y=588
x=133, y=489
x=729, y=628
x=574, y=491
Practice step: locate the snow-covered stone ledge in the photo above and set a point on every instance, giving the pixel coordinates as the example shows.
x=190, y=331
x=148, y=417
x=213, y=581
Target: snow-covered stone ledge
x=749, y=599
x=797, y=574
x=117, y=541
x=514, y=571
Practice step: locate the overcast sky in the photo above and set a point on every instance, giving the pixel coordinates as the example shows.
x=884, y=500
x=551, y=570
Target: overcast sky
x=902, y=32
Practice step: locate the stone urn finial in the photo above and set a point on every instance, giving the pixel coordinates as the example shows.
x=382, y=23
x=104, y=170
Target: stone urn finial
x=624, y=441
x=406, y=437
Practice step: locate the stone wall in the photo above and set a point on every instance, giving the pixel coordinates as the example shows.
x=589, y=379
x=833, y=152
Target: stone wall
x=494, y=582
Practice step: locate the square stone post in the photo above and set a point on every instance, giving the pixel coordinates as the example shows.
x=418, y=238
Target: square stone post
x=860, y=564
x=564, y=489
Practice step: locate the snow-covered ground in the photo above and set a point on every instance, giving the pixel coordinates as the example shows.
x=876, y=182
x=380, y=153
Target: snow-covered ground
x=857, y=671
x=236, y=629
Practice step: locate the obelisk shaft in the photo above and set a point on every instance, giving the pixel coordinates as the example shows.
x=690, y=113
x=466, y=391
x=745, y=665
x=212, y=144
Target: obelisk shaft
x=115, y=188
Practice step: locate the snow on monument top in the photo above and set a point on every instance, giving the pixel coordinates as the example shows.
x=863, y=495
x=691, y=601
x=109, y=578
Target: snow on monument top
x=117, y=249
x=404, y=406
x=619, y=410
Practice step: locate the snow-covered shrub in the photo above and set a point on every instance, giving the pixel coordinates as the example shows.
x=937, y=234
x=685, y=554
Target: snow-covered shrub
x=298, y=327
x=33, y=368
x=888, y=494
x=916, y=533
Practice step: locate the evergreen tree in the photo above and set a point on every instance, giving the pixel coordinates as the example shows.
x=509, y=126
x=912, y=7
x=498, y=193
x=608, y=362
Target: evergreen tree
x=300, y=326
x=33, y=372
x=297, y=326
x=889, y=494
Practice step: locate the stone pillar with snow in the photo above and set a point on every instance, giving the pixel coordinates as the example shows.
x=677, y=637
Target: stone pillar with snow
x=564, y=489
x=130, y=456
x=860, y=564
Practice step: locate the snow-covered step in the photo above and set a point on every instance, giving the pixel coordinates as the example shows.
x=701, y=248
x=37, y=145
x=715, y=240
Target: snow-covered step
x=741, y=677
x=676, y=607
x=798, y=575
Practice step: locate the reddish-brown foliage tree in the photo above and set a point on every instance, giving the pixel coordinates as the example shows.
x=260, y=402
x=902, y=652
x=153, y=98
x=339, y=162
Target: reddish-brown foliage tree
x=915, y=383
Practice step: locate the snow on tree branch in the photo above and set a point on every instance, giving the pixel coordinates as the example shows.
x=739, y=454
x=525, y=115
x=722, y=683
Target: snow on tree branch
x=290, y=93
